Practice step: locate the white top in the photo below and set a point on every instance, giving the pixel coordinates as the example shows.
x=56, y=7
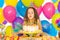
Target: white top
x=30, y=28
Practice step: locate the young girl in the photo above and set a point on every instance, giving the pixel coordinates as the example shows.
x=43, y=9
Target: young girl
x=31, y=20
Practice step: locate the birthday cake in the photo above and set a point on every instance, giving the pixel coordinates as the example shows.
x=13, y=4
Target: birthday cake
x=30, y=28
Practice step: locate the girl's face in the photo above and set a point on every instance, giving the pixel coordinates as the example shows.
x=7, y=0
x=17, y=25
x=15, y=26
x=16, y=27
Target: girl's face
x=30, y=13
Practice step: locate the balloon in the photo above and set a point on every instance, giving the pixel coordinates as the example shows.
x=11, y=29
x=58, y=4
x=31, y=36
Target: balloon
x=17, y=15
x=45, y=26
x=27, y=3
x=54, y=19
x=11, y=2
x=9, y=31
x=53, y=31
x=18, y=20
x=38, y=3
x=39, y=10
x=9, y=13
x=17, y=24
x=54, y=0
x=18, y=27
x=1, y=16
x=1, y=3
x=58, y=22
x=59, y=7
x=21, y=8
x=49, y=10
x=48, y=28
x=5, y=22
x=56, y=5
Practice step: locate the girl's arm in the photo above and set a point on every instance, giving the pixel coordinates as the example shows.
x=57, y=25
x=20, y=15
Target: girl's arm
x=39, y=24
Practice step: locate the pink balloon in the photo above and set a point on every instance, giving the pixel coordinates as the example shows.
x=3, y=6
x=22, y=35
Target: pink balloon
x=39, y=10
x=49, y=10
x=9, y=13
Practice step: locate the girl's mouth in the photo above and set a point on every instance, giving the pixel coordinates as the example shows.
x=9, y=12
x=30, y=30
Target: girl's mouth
x=30, y=16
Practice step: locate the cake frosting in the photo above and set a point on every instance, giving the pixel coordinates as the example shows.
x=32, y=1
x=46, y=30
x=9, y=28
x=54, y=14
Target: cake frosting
x=30, y=28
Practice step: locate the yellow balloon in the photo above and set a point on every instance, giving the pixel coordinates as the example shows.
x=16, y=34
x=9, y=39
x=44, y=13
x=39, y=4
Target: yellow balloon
x=54, y=18
x=27, y=3
x=9, y=31
x=56, y=5
x=11, y=2
x=38, y=3
x=1, y=15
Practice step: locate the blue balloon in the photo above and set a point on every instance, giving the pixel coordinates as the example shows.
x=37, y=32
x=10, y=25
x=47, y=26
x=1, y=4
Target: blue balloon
x=17, y=15
x=21, y=8
x=1, y=3
x=48, y=28
x=52, y=31
x=45, y=26
x=54, y=1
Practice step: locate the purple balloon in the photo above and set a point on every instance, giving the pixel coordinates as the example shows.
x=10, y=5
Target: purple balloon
x=59, y=7
x=17, y=20
x=5, y=22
